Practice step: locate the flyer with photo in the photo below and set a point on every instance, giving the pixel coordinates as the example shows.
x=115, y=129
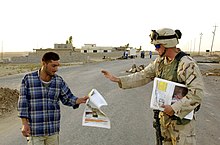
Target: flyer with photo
x=92, y=115
x=166, y=93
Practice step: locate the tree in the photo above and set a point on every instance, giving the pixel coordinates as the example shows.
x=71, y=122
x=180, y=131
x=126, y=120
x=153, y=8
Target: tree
x=70, y=39
x=127, y=45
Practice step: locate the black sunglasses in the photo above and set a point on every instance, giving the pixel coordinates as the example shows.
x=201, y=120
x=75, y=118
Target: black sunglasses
x=157, y=46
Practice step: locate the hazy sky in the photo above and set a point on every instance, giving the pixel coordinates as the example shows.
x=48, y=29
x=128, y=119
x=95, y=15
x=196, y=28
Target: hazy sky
x=29, y=24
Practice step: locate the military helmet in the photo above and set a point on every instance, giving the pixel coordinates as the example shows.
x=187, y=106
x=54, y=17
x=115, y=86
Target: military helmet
x=165, y=36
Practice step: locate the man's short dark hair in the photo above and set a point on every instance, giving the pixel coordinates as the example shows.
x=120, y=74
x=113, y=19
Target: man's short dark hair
x=49, y=56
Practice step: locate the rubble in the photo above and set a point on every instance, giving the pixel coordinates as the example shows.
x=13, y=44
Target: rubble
x=134, y=68
x=8, y=100
x=213, y=72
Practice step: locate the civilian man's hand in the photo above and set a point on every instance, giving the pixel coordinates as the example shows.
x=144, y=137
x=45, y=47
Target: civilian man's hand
x=82, y=100
x=25, y=130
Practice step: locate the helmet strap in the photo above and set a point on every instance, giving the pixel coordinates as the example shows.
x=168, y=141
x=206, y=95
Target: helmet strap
x=163, y=52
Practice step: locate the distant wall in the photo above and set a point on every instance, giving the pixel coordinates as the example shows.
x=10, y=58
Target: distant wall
x=65, y=56
x=114, y=54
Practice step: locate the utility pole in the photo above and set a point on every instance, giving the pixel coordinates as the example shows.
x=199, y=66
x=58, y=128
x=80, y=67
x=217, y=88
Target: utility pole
x=2, y=52
x=194, y=45
x=200, y=42
x=190, y=46
x=213, y=37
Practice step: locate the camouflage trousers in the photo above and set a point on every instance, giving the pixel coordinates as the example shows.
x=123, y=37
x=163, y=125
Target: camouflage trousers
x=175, y=134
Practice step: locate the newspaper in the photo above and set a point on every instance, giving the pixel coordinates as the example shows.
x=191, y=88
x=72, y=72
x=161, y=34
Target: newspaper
x=166, y=93
x=92, y=115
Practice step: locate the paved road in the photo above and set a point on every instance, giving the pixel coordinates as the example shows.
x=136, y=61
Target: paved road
x=131, y=118
x=128, y=110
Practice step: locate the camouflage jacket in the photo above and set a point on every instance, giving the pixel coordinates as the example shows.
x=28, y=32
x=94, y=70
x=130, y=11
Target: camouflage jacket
x=187, y=72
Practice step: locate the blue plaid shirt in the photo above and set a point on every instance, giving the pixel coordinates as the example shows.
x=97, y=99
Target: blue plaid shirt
x=40, y=105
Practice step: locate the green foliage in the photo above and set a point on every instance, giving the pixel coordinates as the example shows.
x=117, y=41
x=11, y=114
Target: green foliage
x=70, y=39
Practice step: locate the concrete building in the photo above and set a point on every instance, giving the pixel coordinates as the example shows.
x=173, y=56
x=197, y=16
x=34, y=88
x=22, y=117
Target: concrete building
x=92, y=48
x=68, y=53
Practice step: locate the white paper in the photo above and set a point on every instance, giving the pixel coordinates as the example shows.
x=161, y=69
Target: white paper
x=166, y=93
x=92, y=115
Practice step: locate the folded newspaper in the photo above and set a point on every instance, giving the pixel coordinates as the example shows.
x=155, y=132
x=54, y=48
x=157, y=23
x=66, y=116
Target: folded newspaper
x=92, y=115
x=166, y=93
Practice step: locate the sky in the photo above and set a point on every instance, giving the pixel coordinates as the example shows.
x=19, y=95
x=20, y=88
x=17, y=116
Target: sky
x=30, y=24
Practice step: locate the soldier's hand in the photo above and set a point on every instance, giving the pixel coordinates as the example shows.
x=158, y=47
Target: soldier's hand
x=168, y=110
x=110, y=76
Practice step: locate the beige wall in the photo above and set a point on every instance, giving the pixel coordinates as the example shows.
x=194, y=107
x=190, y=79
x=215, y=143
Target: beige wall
x=66, y=56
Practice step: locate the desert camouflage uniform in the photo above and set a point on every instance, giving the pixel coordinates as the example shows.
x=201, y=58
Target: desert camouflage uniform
x=175, y=131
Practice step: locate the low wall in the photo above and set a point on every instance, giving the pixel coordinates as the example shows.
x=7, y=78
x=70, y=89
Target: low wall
x=67, y=57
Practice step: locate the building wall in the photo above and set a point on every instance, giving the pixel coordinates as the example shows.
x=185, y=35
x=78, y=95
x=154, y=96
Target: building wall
x=113, y=55
x=66, y=56
x=62, y=46
x=92, y=48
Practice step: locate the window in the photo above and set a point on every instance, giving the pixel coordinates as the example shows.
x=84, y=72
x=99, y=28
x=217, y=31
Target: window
x=95, y=51
x=105, y=50
x=85, y=51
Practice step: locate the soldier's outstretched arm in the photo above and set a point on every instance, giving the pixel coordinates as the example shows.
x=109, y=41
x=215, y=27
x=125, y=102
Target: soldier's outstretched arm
x=110, y=76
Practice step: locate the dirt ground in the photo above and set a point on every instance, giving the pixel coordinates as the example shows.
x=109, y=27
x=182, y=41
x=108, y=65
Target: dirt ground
x=8, y=100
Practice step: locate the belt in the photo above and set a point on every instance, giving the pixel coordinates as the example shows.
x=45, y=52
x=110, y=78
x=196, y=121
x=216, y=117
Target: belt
x=180, y=121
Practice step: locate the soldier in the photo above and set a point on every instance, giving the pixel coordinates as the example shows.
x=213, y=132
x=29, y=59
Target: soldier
x=150, y=54
x=172, y=65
